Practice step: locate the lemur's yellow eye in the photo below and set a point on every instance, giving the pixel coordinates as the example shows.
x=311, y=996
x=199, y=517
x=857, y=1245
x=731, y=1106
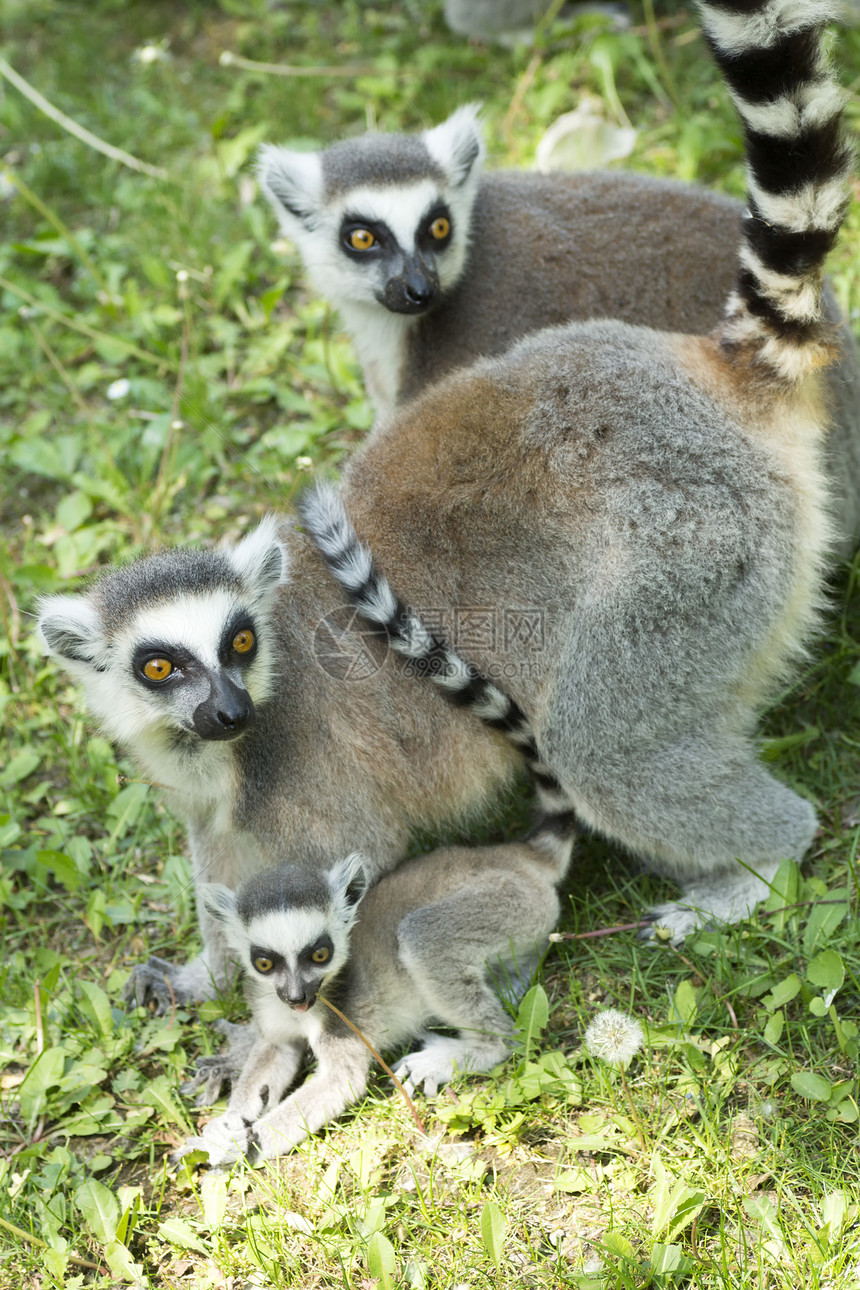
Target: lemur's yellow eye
x=440, y=228
x=321, y=955
x=361, y=239
x=157, y=669
x=243, y=641
x=263, y=964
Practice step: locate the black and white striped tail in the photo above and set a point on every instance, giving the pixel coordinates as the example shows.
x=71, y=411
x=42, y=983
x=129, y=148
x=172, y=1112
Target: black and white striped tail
x=350, y=561
x=554, y=835
x=798, y=162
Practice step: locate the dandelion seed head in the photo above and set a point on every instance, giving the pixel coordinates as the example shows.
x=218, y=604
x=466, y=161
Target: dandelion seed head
x=155, y=52
x=613, y=1036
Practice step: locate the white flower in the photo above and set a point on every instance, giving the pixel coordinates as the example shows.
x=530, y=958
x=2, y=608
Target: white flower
x=613, y=1036
x=154, y=52
x=118, y=389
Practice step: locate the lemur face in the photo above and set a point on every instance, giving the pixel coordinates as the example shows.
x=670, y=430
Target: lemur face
x=400, y=244
x=175, y=645
x=290, y=953
x=383, y=219
x=290, y=928
x=189, y=662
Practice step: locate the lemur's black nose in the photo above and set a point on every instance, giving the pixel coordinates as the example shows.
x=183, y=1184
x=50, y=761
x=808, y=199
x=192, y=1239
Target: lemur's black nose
x=235, y=719
x=413, y=288
x=296, y=995
x=419, y=293
x=227, y=711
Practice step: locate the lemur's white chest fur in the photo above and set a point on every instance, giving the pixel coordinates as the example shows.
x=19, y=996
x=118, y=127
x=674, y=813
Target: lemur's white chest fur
x=381, y=341
x=383, y=230
x=279, y=1024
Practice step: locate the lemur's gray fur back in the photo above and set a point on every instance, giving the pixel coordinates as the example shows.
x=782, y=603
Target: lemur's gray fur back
x=546, y=249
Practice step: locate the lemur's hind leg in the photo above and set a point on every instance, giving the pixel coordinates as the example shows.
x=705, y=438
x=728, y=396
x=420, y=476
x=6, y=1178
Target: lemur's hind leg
x=446, y=948
x=709, y=815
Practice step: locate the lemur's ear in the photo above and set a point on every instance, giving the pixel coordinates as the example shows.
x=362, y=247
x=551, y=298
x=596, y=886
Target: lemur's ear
x=71, y=630
x=457, y=145
x=261, y=558
x=219, y=900
x=348, y=880
x=292, y=183
x=222, y=904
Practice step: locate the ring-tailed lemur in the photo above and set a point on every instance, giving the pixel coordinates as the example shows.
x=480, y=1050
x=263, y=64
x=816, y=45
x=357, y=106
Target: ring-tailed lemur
x=659, y=497
x=427, y=942
x=521, y=251
x=649, y=504
x=220, y=673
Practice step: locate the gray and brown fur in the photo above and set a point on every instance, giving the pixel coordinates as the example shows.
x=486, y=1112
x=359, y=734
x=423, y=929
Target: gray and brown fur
x=661, y=498
x=548, y=249
x=322, y=763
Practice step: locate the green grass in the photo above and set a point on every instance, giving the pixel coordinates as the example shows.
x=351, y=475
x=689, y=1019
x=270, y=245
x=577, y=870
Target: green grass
x=737, y=1163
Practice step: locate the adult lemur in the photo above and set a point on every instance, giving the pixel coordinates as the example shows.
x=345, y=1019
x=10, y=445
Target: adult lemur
x=433, y=265
x=427, y=939
x=629, y=523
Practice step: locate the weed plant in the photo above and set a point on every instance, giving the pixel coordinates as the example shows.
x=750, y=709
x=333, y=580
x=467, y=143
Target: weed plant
x=165, y=375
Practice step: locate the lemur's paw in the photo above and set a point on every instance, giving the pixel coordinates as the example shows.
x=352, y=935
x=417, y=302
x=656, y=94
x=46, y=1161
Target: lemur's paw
x=224, y=1140
x=715, y=902
x=430, y=1067
x=224, y=1067
x=208, y=1078
x=148, y=987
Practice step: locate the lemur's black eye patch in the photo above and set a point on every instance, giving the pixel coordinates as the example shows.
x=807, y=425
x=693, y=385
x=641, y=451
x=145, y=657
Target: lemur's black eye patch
x=239, y=640
x=318, y=952
x=265, y=961
x=154, y=663
x=361, y=238
x=436, y=228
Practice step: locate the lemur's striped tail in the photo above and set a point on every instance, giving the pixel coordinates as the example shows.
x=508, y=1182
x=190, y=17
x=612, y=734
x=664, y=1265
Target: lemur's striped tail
x=554, y=835
x=350, y=561
x=798, y=161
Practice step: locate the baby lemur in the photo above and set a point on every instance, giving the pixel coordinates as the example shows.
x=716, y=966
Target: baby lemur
x=630, y=524
x=421, y=947
x=432, y=264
